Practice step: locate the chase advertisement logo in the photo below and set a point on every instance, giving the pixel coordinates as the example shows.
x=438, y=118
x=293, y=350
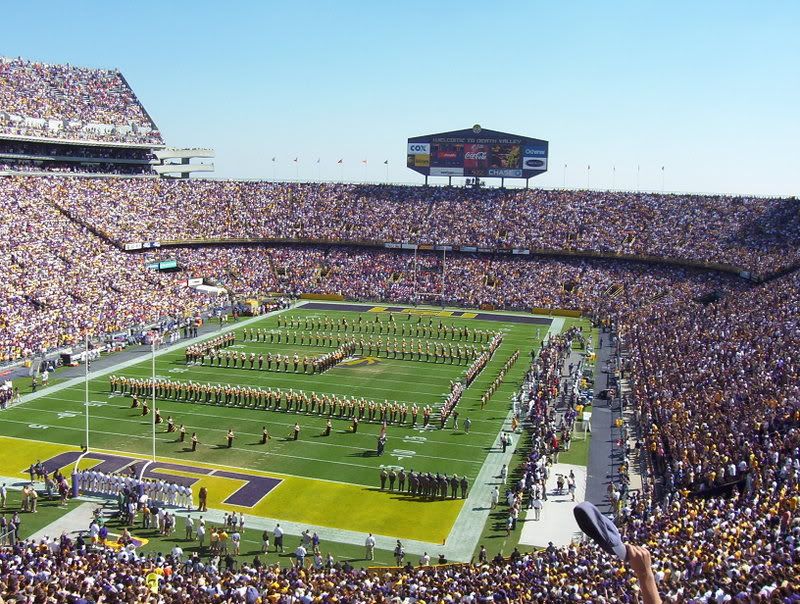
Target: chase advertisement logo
x=419, y=148
x=533, y=163
x=535, y=152
x=504, y=172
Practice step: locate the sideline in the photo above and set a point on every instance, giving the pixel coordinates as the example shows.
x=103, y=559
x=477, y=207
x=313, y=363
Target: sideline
x=469, y=525
x=32, y=396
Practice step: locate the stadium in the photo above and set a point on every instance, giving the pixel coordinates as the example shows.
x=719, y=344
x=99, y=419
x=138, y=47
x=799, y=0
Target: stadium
x=220, y=389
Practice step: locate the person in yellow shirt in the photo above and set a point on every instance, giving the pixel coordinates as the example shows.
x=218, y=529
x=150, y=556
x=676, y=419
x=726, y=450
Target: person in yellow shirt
x=223, y=541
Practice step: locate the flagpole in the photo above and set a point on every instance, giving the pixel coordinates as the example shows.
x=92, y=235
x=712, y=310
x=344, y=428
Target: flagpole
x=153, y=413
x=588, y=170
x=638, y=168
x=613, y=176
x=662, y=179
x=86, y=386
x=565, y=176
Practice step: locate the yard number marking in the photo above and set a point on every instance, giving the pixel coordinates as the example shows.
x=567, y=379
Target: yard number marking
x=402, y=453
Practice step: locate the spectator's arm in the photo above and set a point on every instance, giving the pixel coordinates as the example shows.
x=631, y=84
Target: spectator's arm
x=639, y=559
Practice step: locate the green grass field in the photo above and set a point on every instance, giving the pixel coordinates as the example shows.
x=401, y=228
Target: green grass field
x=327, y=481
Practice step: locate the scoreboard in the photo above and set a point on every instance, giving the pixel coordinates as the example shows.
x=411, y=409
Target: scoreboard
x=477, y=152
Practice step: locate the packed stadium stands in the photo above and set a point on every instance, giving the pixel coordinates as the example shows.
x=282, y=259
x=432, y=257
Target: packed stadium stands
x=757, y=235
x=715, y=382
x=38, y=100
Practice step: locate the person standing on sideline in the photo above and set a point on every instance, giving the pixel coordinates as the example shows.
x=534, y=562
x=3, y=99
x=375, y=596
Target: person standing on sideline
x=189, y=527
x=504, y=473
x=537, y=507
x=467, y=425
x=265, y=435
x=277, y=535
x=201, y=536
x=370, y=545
x=230, y=438
x=296, y=431
x=495, y=497
x=202, y=496
x=399, y=553
x=194, y=441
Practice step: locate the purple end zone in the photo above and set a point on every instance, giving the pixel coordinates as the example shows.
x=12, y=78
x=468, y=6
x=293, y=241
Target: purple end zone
x=248, y=495
x=108, y=463
x=154, y=473
x=255, y=489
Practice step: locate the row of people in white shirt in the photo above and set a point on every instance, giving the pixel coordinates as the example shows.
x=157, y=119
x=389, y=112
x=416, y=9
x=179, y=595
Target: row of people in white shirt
x=159, y=491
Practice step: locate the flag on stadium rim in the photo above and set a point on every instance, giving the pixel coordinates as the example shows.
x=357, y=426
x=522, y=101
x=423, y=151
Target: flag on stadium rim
x=363, y=161
x=340, y=161
x=386, y=162
x=295, y=159
x=273, y=159
x=318, y=160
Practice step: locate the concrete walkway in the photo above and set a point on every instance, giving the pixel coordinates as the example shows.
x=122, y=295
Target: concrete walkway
x=72, y=522
x=601, y=463
x=556, y=523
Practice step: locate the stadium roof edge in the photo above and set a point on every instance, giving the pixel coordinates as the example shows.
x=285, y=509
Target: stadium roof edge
x=470, y=132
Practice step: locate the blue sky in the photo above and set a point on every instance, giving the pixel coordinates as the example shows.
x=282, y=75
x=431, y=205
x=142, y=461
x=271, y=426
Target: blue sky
x=710, y=90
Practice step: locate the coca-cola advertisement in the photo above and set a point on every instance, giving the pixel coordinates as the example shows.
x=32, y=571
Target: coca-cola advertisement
x=476, y=158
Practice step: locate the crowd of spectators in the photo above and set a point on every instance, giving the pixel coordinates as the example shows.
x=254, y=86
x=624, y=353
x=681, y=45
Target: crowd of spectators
x=601, y=287
x=63, y=279
x=68, y=102
x=60, y=280
x=756, y=234
x=715, y=383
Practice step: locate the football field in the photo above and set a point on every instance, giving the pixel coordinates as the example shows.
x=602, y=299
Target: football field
x=327, y=481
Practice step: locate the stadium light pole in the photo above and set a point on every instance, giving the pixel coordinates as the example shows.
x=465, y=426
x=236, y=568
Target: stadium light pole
x=153, y=349
x=444, y=268
x=86, y=386
x=415, y=274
